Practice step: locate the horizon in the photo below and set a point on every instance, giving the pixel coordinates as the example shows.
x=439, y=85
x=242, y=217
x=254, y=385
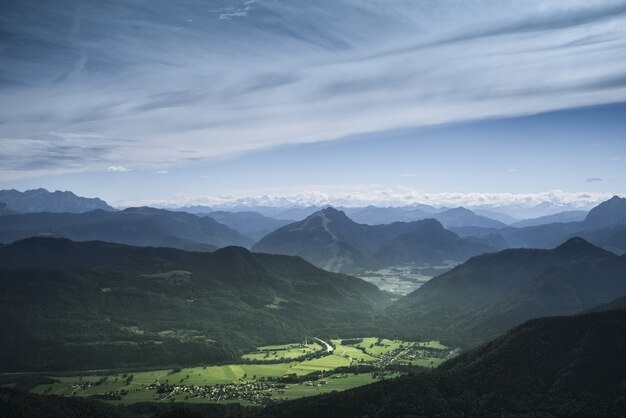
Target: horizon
x=294, y=208
x=451, y=104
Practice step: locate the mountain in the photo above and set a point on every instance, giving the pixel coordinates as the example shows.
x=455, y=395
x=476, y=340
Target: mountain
x=461, y=216
x=609, y=213
x=455, y=217
x=88, y=305
x=619, y=303
x=605, y=225
x=549, y=367
x=6, y=211
x=373, y=215
x=493, y=292
x=195, y=209
x=295, y=213
x=41, y=200
x=134, y=226
x=561, y=217
x=327, y=238
x=428, y=243
x=250, y=224
x=331, y=240
x=498, y=216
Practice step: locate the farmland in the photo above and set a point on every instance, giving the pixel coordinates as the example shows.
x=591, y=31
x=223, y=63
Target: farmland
x=269, y=374
x=402, y=280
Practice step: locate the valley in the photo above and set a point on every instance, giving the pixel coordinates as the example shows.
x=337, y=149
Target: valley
x=312, y=209
x=404, y=279
x=267, y=375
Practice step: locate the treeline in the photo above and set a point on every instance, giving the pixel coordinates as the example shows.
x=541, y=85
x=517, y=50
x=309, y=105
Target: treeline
x=74, y=357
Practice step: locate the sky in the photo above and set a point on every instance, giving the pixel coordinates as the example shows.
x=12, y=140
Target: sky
x=342, y=102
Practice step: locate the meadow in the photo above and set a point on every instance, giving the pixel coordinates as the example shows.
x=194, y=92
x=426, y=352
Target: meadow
x=258, y=382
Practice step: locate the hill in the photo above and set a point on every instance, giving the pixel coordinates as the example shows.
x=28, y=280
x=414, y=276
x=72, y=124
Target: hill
x=133, y=226
x=491, y=293
x=611, y=212
x=331, y=240
x=552, y=367
x=41, y=200
x=88, y=305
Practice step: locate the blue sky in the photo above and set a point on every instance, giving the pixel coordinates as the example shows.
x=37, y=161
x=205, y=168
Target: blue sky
x=343, y=101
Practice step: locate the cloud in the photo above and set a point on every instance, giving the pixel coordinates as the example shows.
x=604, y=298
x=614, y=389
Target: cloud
x=593, y=179
x=363, y=195
x=168, y=90
x=118, y=169
x=161, y=172
x=512, y=170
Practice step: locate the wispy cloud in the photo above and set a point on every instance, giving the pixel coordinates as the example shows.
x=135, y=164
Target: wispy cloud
x=593, y=179
x=180, y=85
x=117, y=169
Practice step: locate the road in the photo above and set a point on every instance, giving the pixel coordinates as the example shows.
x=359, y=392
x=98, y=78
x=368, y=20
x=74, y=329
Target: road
x=329, y=348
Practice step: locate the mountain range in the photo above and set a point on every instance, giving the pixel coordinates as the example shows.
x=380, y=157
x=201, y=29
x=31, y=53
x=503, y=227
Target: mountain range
x=604, y=225
x=133, y=226
x=372, y=215
x=41, y=200
x=87, y=305
x=491, y=293
x=561, y=217
x=331, y=240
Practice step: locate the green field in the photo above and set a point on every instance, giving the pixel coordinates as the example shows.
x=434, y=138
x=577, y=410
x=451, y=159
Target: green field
x=258, y=383
x=282, y=352
x=351, y=352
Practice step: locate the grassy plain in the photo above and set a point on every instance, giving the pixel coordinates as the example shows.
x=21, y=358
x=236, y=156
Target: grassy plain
x=142, y=386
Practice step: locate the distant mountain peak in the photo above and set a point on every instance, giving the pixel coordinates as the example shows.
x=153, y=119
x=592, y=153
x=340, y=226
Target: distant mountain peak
x=232, y=249
x=578, y=245
x=331, y=214
x=431, y=224
x=575, y=242
x=610, y=212
x=42, y=200
x=461, y=210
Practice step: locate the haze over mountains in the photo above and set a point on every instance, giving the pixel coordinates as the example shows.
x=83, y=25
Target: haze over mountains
x=331, y=240
x=41, y=200
x=133, y=226
x=328, y=208
x=604, y=225
x=250, y=224
x=89, y=304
